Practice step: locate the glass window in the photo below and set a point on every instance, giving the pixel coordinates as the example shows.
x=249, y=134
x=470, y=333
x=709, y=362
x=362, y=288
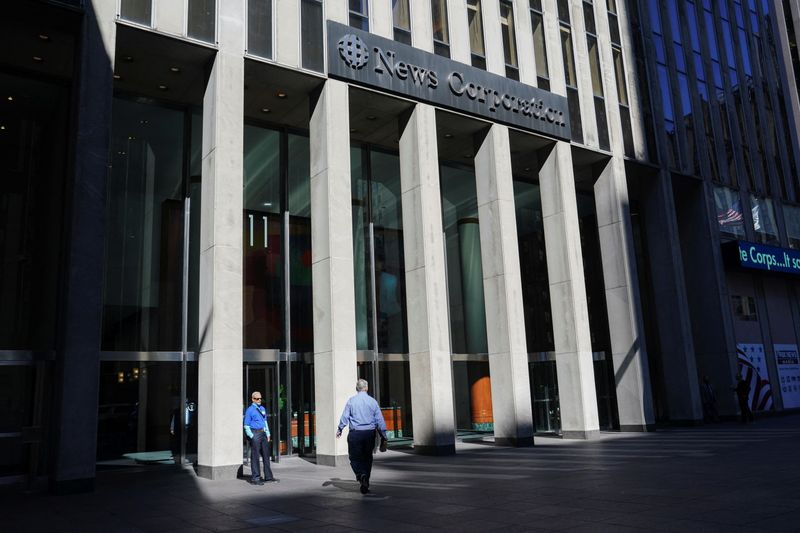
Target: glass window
x=298, y=172
x=34, y=133
x=729, y=213
x=359, y=14
x=594, y=66
x=791, y=215
x=140, y=11
x=463, y=254
x=474, y=18
x=588, y=17
x=539, y=46
x=569, y=57
x=763, y=220
x=401, y=16
x=259, y=28
x=311, y=35
x=201, y=20
x=619, y=71
x=144, y=231
x=563, y=11
x=509, y=39
x=533, y=254
x=441, y=31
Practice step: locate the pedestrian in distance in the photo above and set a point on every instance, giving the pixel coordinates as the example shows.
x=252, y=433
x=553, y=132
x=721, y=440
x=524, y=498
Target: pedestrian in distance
x=363, y=416
x=257, y=430
x=742, y=389
x=709, y=398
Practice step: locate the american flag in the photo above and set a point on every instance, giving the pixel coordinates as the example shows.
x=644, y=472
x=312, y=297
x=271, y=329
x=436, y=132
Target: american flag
x=760, y=390
x=732, y=216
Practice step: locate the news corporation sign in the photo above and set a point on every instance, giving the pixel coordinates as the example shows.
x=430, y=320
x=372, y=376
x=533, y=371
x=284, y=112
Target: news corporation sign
x=365, y=59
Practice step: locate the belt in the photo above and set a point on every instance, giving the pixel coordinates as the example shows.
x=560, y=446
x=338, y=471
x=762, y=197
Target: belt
x=258, y=431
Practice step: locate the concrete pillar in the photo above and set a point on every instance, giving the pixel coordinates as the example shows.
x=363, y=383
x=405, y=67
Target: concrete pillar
x=628, y=349
x=286, y=27
x=502, y=287
x=422, y=25
x=573, y=344
x=80, y=315
x=219, y=416
x=169, y=16
x=493, y=38
x=336, y=10
x=524, y=33
x=426, y=285
x=670, y=303
x=381, y=18
x=332, y=267
x=459, y=31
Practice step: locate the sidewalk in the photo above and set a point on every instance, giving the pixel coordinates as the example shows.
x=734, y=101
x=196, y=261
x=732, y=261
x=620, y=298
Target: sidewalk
x=722, y=477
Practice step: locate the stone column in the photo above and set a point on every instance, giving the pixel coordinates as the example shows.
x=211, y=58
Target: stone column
x=80, y=314
x=628, y=349
x=670, y=302
x=220, y=396
x=459, y=31
x=422, y=25
x=426, y=285
x=573, y=344
x=381, y=19
x=332, y=267
x=502, y=287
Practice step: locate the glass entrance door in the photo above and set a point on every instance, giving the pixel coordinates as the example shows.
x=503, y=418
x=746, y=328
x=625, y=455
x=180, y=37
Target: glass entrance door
x=263, y=377
x=16, y=412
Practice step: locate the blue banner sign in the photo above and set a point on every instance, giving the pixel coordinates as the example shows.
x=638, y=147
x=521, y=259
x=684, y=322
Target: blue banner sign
x=771, y=258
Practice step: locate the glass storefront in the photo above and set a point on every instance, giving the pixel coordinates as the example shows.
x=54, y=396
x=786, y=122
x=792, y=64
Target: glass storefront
x=471, y=380
x=148, y=383
x=379, y=274
x=277, y=299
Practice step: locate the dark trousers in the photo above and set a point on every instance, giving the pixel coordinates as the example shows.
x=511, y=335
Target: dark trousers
x=746, y=413
x=259, y=447
x=359, y=446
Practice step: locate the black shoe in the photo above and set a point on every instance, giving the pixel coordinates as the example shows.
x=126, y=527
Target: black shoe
x=271, y=480
x=364, y=484
x=256, y=482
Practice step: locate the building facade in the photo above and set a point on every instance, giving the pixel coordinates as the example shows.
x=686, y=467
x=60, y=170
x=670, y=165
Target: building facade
x=512, y=217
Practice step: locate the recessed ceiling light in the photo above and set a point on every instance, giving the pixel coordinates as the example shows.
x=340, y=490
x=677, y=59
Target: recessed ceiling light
x=10, y=98
x=128, y=59
x=144, y=121
x=281, y=94
x=527, y=169
x=44, y=37
x=371, y=117
x=467, y=156
x=265, y=110
x=162, y=88
x=353, y=130
x=117, y=77
x=448, y=135
x=267, y=204
x=2, y=127
x=38, y=59
x=174, y=69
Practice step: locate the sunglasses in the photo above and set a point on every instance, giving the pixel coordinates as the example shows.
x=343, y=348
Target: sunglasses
x=255, y=399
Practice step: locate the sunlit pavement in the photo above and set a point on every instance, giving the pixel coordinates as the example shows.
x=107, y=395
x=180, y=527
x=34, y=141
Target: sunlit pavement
x=720, y=477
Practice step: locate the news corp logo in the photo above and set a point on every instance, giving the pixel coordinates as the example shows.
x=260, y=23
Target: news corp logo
x=353, y=51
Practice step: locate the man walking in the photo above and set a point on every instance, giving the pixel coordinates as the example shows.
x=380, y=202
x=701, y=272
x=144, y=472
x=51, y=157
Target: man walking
x=257, y=430
x=363, y=416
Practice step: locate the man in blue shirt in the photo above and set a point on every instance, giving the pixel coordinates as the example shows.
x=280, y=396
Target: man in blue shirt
x=363, y=416
x=255, y=425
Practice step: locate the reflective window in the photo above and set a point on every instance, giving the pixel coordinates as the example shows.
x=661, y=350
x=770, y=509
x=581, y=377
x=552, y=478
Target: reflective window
x=33, y=140
x=140, y=11
x=401, y=17
x=441, y=30
x=311, y=35
x=475, y=20
x=463, y=252
x=144, y=229
x=791, y=215
x=378, y=251
x=202, y=20
x=729, y=213
x=359, y=14
x=259, y=28
x=539, y=45
x=764, y=220
x=533, y=254
x=509, y=39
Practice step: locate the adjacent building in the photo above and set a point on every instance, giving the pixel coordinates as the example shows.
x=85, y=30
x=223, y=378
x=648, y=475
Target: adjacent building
x=512, y=217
